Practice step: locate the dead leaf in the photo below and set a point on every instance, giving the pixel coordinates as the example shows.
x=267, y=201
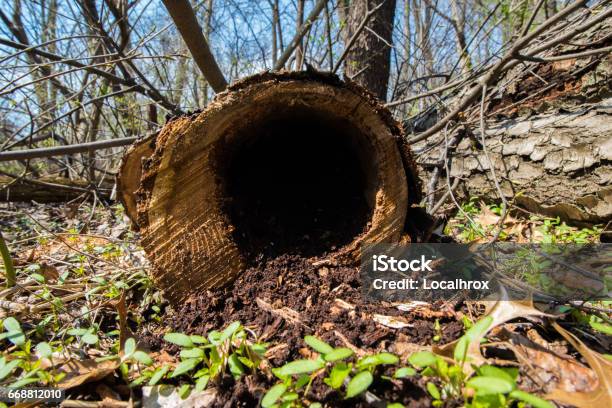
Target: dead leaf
x=500, y=311
x=395, y=322
x=486, y=217
x=124, y=330
x=601, y=396
x=415, y=304
x=551, y=367
x=108, y=395
x=504, y=309
x=404, y=348
x=49, y=272
x=167, y=396
x=284, y=312
x=343, y=305
x=79, y=372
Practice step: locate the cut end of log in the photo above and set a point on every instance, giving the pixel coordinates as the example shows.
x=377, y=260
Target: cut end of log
x=291, y=163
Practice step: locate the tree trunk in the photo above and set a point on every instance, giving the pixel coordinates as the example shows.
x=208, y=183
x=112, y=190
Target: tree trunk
x=369, y=59
x=281, y=163
x=548, y=135
x=46, y=189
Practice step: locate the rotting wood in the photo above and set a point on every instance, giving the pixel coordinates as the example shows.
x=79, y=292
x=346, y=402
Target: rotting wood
x=180, y=203
x=46, y=189
x=548, y=133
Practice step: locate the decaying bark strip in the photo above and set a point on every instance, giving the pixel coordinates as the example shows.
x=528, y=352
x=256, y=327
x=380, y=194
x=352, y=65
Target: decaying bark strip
x=548, y=133
x=175, y=190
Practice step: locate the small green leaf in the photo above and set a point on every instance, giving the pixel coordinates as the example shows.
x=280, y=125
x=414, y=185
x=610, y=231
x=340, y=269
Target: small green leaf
x=433, y=390
x=8, y=368
x=143, y=358
x=359, y=384
x=184, y=391
x=422, y=359
x=202, y=382
x=259, y=348
x=404, y=372
x=299, y=367
x=77, y=332
x=214, y=336
x=159, y=374
x=129, y=347
x=38, y=277
x=198, y=339
x=138, y=381
x=23, y=382
x=490, y=385
x=179, y=339
x=229, y=331
x=318, y=345
x=506, y=374
x=44, y=350
x=273, y=395
x=235, y=366
x=475, y=332
x=387, y=358
x=11, y=324
x=192, y=353
x=378, y=359
x=90, y=338
x=15, y=337
x=338, y=354
x=302, y=381
x=601, y=327
x=184, y=367
x=337, y=375
x=535, y=402
x=395, y=405
x=289, y=396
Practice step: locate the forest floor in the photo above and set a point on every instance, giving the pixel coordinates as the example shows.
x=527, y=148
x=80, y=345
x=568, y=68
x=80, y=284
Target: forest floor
x=84, y=316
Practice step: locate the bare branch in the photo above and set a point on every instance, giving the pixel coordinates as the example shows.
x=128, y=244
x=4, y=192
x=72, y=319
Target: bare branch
x=187, y=24
x=62, y=150
x=299, y=35
x=112, y=77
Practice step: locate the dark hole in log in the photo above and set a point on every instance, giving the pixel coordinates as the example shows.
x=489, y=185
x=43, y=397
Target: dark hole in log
x=298, y=183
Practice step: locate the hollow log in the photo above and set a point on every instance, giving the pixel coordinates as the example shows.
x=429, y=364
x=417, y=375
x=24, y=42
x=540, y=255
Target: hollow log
x=291, y=163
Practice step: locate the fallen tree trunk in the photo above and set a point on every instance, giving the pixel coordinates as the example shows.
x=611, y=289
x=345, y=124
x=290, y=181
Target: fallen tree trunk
x=556, y=164
x=293, y=163
x=45, y=189
x=548, y=136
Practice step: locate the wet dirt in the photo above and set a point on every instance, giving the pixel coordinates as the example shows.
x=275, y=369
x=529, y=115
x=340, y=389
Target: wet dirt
x=322, y=300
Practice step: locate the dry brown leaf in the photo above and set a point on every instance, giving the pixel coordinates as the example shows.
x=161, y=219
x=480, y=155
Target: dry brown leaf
x=500, y=311
x=285, y=312
x=124, y=330
x=49, y=272
x=550, y=367
x=504, y=309
x=394, y=322
x=108, y=395
x=414, y=304
x=84, y=371
x=486, y=217
x=601, y=395
x=404, y=348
